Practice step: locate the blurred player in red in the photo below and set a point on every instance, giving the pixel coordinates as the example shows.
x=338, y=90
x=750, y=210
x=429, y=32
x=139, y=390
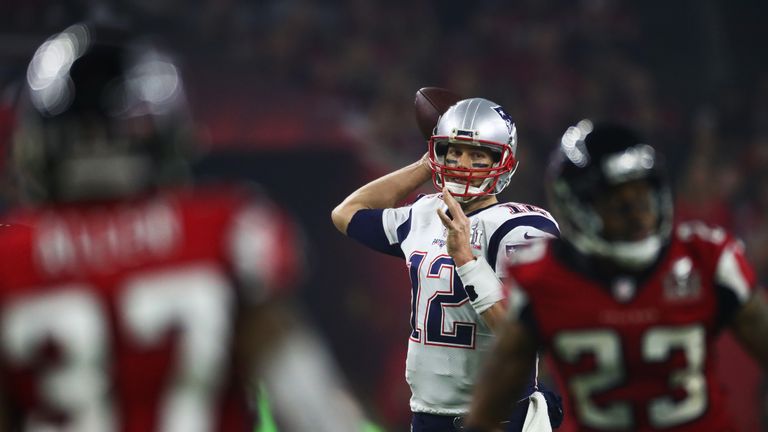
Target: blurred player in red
x=628, y=304
x=130, y=300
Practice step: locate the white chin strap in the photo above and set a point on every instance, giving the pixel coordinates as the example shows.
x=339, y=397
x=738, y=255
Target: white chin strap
x=629, y=255
x=458, y=188
x=638, y=254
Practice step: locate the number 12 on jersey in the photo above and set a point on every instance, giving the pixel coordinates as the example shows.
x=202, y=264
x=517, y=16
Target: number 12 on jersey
x=442, y=296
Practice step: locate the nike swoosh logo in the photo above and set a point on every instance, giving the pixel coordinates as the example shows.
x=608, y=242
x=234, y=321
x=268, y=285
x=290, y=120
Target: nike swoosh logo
x=529, y=237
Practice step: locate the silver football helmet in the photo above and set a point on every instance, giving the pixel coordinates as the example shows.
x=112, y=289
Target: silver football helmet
x=478, y=122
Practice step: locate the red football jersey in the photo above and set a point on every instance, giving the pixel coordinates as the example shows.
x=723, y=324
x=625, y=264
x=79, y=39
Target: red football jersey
x=637, y=353
x=120, y=316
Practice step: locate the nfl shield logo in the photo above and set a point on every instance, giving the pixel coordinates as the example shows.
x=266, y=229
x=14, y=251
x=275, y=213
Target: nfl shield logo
x=624, y=289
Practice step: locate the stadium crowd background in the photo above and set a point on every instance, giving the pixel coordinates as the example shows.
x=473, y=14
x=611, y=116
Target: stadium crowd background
x=312, y=98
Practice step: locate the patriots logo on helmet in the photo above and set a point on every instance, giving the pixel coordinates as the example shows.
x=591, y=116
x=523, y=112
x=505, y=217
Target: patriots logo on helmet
x=504, y=116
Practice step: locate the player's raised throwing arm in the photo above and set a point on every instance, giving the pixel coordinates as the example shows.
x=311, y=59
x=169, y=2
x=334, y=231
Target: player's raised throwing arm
x=383, y=192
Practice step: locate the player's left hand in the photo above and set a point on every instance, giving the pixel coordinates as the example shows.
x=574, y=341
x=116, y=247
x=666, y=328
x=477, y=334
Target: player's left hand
x=458, y=230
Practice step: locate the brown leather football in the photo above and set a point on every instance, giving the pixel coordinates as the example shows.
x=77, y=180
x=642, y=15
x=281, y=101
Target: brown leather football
x=430, y=104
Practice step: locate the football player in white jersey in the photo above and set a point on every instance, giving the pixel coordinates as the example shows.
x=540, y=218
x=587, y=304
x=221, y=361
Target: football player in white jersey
x=454, y=243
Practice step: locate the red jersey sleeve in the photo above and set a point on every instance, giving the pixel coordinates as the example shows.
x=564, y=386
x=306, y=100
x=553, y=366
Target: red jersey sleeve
x=733, y=276
x=734, y=272
x=263, y=247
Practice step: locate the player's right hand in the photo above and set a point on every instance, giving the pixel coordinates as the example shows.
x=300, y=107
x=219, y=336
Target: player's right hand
x=457, y=225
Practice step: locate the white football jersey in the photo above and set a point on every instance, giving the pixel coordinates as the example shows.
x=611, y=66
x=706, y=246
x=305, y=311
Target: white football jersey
x=449, y=340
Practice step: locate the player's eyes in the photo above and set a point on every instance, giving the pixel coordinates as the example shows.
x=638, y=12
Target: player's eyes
x=477, y=159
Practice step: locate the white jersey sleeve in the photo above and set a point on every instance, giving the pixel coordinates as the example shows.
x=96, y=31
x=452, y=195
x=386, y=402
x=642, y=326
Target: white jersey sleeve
x=396, y=223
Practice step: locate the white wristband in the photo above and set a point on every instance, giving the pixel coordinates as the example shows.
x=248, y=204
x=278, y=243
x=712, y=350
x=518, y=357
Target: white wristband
x=481, y=284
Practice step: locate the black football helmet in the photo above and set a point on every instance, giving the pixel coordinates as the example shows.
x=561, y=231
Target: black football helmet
x=591, y=159
x=102, y=115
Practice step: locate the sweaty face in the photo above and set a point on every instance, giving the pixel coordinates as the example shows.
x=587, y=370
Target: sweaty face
x=466, y=156
x=629, y=211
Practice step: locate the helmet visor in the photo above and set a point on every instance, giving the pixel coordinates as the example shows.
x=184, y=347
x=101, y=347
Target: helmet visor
x=475, y=178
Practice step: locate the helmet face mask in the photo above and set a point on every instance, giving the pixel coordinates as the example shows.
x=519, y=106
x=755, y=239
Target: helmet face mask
x=477, y=123
x=609, y=193
x=102, y=116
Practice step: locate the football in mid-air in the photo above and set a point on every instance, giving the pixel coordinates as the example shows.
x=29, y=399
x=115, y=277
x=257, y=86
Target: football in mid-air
x=430, y=104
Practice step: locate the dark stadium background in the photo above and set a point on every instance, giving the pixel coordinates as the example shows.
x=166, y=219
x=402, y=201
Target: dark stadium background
x=311, y=99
